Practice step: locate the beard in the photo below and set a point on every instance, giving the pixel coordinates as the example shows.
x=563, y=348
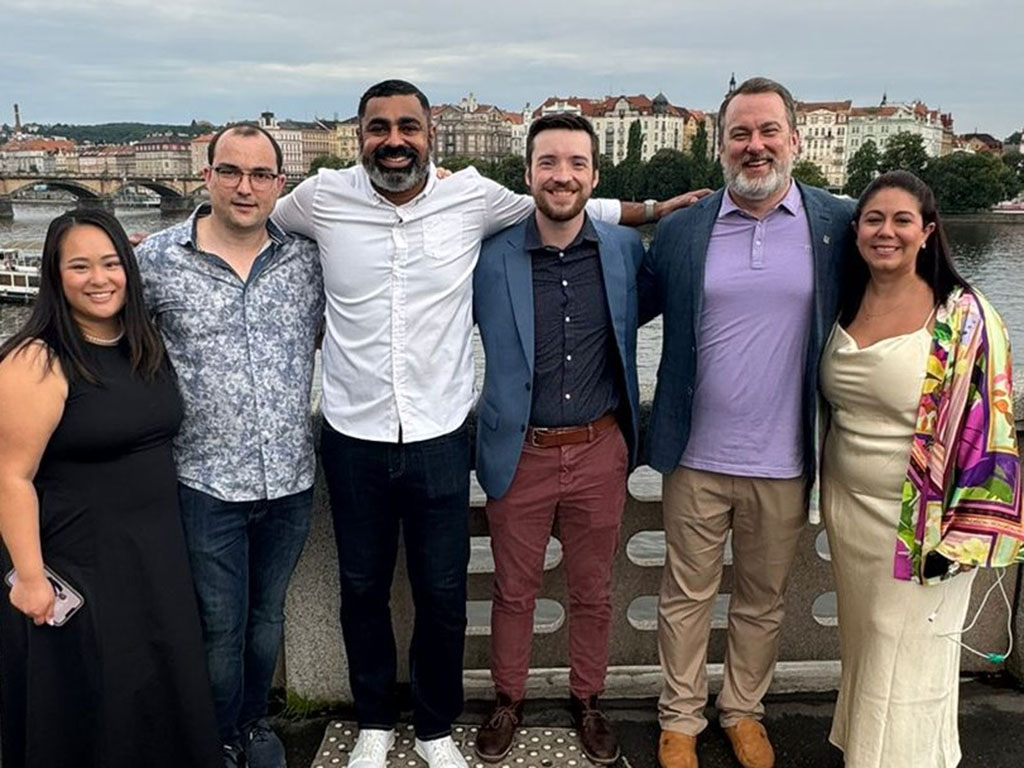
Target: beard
x=759, y=188
x=560, y=214
x=395, y=179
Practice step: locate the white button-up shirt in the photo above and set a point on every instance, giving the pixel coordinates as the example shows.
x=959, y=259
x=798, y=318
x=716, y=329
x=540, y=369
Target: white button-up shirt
x=398, y=355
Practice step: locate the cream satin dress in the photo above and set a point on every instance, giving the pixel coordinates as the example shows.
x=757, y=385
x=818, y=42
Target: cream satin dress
x=897, y=705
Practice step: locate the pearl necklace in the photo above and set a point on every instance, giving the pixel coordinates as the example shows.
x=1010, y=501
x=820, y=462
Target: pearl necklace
x=111, y=342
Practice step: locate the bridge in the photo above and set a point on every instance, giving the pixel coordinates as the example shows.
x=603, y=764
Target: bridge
x=176, y=192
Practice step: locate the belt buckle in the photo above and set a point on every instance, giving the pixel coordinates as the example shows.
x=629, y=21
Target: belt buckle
x=536, y=432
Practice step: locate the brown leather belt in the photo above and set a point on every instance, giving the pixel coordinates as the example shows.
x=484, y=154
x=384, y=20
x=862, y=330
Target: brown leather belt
x=549, y=437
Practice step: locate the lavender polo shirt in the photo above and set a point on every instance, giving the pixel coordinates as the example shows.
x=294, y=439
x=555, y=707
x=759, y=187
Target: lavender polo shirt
x=752, y=343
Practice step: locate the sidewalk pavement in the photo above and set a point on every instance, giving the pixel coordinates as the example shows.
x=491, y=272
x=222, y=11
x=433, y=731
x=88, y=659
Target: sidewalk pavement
x=991, y=729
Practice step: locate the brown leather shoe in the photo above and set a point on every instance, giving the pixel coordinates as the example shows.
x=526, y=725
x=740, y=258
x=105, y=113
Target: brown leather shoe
x=750, y=744
x=495, y=737
x=677, y=750
x=596, y=735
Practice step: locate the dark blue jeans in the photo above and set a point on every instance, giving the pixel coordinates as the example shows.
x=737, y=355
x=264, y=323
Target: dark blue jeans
x=242, y=555
x=425, y=486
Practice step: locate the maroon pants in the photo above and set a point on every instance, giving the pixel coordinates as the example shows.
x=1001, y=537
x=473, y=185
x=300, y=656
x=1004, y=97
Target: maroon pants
x=584, y=487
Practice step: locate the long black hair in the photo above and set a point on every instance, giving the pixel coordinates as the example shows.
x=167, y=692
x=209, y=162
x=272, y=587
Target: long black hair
x=51, y=320
x=934, y=262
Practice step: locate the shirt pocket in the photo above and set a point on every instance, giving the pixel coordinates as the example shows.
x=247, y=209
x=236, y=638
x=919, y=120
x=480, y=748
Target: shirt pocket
x=442, y=235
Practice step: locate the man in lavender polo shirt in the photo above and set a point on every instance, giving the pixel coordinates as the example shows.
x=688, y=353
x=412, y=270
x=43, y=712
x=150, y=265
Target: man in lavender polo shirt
x=747, y=282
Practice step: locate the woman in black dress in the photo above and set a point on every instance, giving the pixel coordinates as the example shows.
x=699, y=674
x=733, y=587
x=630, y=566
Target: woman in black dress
x=88, y=407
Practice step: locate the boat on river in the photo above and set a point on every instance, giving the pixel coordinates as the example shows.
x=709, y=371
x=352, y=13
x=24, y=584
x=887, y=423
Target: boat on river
x=19, y=276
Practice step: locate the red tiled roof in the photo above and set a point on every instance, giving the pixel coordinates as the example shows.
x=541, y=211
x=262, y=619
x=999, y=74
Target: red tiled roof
x=831, y=106
x=39, y=145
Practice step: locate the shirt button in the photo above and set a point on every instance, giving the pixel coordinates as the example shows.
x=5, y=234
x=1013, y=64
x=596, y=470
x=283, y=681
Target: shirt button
x=565, y=283
x=567, y=318
x=568, y=357
x=561, y=254
x=568, y=396
x=528, y=386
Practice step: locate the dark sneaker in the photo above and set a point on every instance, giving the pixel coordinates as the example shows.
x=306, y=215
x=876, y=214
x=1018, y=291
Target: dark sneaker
x=595, y=730
x=495, y=737
x=262, y=747
x=234, y=757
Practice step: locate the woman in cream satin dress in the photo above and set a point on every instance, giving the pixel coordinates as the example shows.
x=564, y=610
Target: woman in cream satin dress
x=898, y=698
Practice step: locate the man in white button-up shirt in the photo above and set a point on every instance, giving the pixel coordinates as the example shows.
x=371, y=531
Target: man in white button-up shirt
x=398, y=250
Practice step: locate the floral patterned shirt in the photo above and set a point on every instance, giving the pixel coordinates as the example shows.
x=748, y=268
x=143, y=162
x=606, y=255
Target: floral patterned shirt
x=243, y=352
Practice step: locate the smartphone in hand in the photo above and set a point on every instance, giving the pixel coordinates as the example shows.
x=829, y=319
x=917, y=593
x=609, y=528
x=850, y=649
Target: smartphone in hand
x=68, y=600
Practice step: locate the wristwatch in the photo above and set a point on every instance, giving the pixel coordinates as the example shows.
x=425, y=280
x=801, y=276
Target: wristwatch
x=649, y=210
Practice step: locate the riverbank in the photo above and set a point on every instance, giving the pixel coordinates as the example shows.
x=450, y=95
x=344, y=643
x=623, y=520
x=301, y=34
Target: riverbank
x=989, y=217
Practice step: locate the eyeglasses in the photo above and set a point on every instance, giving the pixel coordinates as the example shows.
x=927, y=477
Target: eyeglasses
x=230, y=176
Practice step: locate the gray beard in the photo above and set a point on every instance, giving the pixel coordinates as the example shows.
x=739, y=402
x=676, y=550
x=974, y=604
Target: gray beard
x=762, y=188
x=399, y=179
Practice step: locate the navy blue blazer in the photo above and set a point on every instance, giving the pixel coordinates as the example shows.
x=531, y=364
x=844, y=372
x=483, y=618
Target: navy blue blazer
x=672, y=283
x=503, y=308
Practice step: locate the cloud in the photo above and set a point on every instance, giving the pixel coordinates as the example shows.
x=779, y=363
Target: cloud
x=93, y=60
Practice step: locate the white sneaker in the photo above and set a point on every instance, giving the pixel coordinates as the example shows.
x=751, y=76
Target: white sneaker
x=371, y=749
x=440, y=753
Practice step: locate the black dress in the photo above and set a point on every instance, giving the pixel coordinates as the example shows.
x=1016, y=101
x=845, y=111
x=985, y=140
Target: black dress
x=123, y=682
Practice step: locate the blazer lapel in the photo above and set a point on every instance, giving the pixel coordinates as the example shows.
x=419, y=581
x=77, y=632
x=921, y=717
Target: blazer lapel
x=613, y=269
x=519, y=275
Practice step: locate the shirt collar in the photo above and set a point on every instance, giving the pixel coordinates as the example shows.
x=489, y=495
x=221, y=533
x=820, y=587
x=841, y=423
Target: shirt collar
x=190, y=240
x=531, y=237
x=792, y=203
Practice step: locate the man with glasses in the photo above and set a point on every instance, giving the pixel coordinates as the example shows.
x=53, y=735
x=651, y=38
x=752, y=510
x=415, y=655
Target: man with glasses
x=239, y=304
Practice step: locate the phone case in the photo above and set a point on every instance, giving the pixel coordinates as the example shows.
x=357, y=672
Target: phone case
x=68, y=601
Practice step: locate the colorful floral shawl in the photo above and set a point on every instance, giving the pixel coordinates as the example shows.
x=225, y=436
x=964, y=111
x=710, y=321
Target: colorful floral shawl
x=962, y=494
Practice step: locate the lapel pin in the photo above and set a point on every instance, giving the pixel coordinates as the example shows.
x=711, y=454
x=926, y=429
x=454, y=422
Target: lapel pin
x=827, y=239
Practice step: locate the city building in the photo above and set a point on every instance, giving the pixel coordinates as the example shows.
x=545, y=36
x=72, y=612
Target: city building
x=471, y=129
x=662, y=125
x=163, y=157
x=290, y=140
x=315, y=138
x=116, y=160
x=982, y=143
x=883, y=122
x=200, y=148
x=35, y=156
x=344, y=141
x=822, y=126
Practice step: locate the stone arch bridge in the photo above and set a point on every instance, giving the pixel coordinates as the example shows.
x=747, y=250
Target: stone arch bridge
x=176, y=193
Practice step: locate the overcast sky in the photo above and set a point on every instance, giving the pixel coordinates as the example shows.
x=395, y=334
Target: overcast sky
x=92, y=61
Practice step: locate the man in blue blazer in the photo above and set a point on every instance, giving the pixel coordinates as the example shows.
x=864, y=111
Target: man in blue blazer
x=747, y=282
x=555, y=300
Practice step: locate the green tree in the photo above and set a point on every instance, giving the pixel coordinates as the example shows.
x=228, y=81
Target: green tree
x=509, y=171
x=808, y=172
x=668, y=173
x=861, y=168
x=1013, y=140
x=965, y=183
x=904, y=152
x=702, y=165
x=327, y=161
x=630, y=172
x=1013, y=160
x=458, y=162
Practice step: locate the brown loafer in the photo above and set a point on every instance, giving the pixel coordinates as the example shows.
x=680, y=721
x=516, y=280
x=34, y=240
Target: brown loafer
x=677, y=750
x=750, y=744
x=495, y=737
x=595, y=730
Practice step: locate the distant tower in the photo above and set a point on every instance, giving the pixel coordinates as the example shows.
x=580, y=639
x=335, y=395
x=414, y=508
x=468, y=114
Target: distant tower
x=732, y=84
x=17, y=119
x=885, y=99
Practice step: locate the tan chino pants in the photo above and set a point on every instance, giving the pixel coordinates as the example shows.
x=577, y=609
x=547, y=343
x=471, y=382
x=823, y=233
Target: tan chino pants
x=766, y=517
